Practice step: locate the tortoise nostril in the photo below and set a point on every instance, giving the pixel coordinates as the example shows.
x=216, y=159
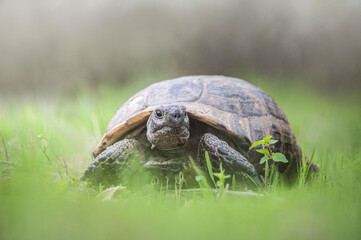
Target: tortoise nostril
x=176, y=115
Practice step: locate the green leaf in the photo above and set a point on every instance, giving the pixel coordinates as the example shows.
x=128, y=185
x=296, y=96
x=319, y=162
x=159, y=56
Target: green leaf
x=199, y=178
x=273, y=141
x=257, y=143
x=266, y=139
x=279, y=157
x=263, y=159
x=263, y=151
x=218, y=175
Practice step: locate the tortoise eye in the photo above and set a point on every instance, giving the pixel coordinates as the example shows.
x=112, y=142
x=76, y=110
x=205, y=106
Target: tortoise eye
x=158, y=114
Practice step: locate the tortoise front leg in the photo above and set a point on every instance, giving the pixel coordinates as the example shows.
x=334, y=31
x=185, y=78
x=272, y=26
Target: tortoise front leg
x=220, y=152
x=107, y=166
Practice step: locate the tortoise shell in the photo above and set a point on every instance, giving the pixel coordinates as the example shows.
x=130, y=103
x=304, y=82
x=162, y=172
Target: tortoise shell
x=231, y=105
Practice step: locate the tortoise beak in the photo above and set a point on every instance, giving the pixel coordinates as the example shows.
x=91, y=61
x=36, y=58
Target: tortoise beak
x=97, y=151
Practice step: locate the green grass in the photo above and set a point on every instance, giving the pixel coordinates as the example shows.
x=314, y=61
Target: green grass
x=48, y=144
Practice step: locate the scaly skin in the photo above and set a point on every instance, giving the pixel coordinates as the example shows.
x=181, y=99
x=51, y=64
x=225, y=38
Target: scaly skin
x=107, y=166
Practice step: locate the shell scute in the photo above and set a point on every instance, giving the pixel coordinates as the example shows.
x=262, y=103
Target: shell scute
x=253, y=108
x=186, y=90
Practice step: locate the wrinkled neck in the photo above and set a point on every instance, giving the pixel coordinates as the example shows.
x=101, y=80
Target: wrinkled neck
x=171, y=153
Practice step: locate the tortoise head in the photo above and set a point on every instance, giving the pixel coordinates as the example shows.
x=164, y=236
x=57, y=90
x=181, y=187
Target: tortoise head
x=168, y=127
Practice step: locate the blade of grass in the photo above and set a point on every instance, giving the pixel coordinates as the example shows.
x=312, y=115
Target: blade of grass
x=5, y=149
x=209, y=167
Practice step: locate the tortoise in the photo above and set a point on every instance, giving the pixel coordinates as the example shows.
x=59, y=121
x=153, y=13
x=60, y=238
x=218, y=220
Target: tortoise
x=165, y=123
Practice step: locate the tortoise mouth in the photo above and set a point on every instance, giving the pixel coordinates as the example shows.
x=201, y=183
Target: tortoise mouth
x=171, y=132
x=168, y=138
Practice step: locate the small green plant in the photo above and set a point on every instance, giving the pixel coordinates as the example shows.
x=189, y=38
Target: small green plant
x=202, y=181
x=221, y=180
x=304, y=170
x=219, y=184
x=268, y=155
x=179, y=180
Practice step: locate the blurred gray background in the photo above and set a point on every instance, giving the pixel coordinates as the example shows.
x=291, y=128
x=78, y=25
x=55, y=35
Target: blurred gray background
x=59, y=46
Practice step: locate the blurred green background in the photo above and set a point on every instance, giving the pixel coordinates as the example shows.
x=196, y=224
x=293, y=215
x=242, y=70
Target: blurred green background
x=66, y=66
x=61, y=45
